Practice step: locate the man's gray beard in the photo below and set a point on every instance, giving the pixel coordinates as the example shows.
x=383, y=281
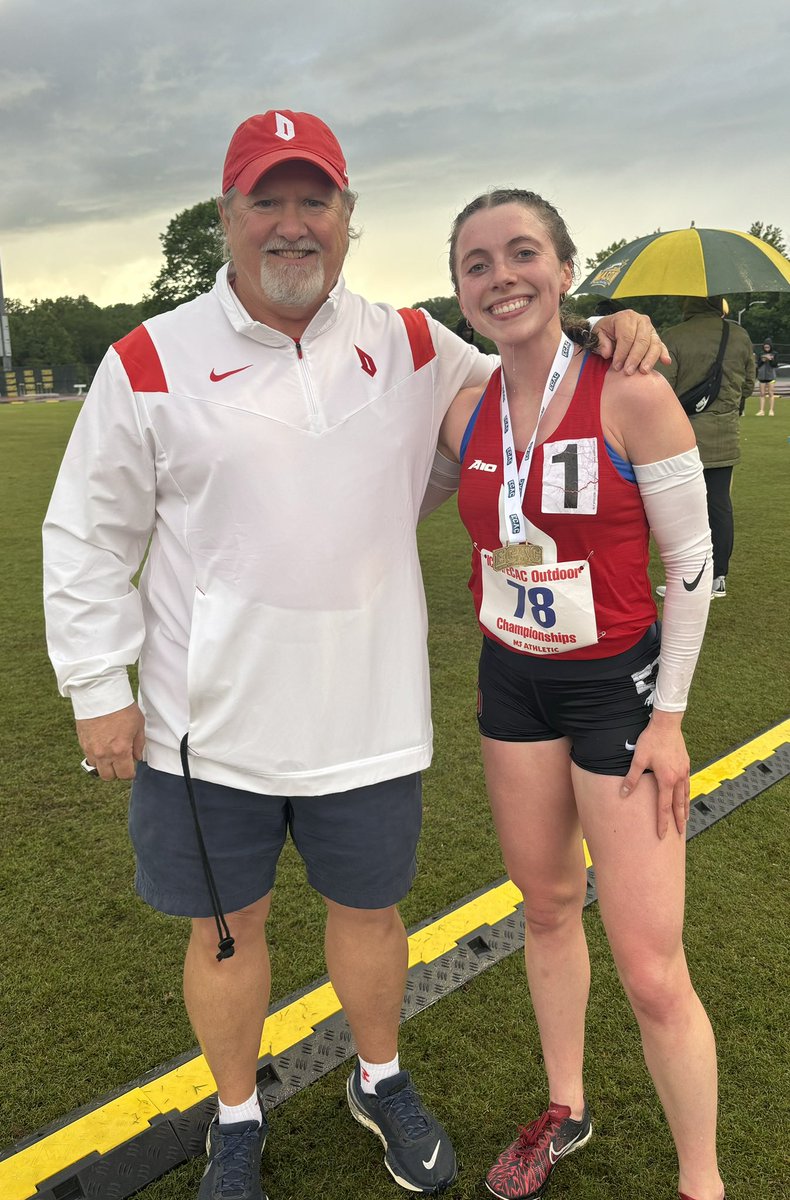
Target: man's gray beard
x=293, y=287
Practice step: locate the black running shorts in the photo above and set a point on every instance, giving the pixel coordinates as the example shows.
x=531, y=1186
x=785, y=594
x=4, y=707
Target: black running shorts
x=601, y=704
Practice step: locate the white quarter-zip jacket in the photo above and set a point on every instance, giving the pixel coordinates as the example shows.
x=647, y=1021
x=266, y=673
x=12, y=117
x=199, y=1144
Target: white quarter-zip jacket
x=280, y=619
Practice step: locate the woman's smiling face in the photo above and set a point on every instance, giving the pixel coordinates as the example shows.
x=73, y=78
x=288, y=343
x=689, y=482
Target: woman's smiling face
x=509, y=276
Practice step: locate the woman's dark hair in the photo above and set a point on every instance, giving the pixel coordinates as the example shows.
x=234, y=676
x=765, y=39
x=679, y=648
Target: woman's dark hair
x=577, y=329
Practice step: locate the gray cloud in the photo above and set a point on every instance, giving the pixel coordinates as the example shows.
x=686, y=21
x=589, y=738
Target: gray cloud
x=111, y=111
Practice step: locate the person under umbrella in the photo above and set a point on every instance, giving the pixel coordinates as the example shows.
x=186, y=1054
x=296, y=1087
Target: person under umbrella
x=693, y=346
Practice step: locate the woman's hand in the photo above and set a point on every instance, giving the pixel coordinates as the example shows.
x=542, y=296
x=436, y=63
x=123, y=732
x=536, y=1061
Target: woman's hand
x=662, y=749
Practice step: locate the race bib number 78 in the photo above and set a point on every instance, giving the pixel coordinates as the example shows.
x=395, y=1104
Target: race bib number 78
x=541, y=609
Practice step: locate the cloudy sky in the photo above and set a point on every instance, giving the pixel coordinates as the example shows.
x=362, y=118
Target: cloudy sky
x=629, y=116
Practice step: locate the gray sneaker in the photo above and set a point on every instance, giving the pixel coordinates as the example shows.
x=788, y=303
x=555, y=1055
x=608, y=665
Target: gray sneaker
x=233, y=1170
x=419, y=1154
x=719, y=587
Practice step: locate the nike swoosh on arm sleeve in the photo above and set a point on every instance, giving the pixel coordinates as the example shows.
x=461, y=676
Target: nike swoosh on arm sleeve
x=673, y=493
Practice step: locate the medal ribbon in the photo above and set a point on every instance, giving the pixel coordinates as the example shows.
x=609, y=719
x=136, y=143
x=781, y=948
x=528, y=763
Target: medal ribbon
x=516, y=480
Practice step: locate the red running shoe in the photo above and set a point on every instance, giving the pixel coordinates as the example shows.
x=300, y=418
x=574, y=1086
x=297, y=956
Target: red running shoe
x=522, y=1171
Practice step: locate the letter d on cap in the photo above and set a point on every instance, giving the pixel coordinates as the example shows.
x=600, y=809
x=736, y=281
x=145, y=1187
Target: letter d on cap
x=285, y=127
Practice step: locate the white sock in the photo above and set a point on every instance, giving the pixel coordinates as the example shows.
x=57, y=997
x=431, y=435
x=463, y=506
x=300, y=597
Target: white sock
x=231, y=1114
x=372, y=1073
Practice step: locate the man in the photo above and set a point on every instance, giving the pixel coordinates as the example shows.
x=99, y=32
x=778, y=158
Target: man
x=694, y=345
x=274, y=440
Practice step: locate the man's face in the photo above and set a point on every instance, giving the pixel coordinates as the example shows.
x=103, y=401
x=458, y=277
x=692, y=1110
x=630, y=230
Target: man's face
x=288, y=240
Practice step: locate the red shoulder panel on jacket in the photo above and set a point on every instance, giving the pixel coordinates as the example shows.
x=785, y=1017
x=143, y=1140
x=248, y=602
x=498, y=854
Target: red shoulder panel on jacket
x=141, y=361
x=422, y=347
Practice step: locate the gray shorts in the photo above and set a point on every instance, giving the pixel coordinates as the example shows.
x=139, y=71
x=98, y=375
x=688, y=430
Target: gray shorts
x=358, y=846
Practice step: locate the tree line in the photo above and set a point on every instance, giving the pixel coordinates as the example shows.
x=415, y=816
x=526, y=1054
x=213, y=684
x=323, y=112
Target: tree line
x=766, y=315
x=74, y=330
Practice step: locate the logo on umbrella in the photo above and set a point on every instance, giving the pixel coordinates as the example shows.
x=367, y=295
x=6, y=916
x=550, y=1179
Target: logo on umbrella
x=607, y=277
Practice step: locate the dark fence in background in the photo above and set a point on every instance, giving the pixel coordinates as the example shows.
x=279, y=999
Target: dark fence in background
x=69, y=380
x=73, y=379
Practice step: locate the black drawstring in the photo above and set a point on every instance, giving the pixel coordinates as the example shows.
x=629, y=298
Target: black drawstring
x=226, y=942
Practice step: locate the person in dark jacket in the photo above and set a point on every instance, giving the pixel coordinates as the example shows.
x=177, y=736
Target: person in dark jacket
x=465, y=332
x=767, y=362
x=693, y=346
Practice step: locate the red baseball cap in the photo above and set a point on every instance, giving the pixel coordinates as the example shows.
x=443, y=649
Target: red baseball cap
x=263, y=141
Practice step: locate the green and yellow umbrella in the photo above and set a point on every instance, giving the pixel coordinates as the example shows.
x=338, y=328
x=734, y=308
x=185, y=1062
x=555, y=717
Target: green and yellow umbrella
x=690, y=262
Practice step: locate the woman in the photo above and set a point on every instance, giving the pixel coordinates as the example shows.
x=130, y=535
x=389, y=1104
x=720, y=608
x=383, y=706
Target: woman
x=767, y=363
x=578, y=729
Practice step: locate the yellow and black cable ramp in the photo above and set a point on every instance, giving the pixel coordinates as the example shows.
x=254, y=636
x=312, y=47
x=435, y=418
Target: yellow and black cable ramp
x=113, y=1148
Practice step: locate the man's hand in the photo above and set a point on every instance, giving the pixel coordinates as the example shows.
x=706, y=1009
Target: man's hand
x=661, y=748
x=113, y=743
x=630, y=340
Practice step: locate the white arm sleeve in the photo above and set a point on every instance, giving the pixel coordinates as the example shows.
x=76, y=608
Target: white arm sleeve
x=673, y=493
x=442, y=483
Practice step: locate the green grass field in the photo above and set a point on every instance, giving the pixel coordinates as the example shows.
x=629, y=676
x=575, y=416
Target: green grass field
x=90, y=995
